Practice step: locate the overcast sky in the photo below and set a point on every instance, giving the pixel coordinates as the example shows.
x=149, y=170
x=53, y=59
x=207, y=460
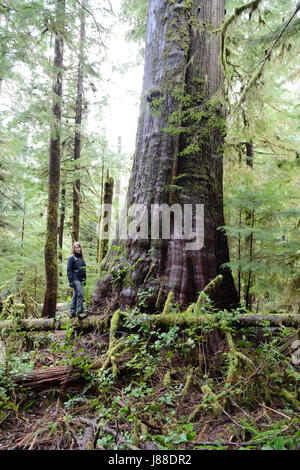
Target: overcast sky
x=124, y=89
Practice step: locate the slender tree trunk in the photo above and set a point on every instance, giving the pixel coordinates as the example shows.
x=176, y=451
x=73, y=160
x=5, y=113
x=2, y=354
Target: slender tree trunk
x=178, y=159
x=78, y=122
x=100, y=210
x=50, y=299
x=62, y=220
x=105, y=218
x=248, y=295
x=239, y=255
x=35, y=282
x=249, y=240
x=23, y=229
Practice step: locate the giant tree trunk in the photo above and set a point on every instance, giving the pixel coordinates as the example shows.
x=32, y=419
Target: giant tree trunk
x=178, y=159
x=78, y=121
x=51, y=266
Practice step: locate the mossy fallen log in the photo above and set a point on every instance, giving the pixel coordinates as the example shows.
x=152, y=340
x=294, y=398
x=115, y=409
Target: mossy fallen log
x=50, y=324
x=50, y=377
x=163, y=320
x=239, y=321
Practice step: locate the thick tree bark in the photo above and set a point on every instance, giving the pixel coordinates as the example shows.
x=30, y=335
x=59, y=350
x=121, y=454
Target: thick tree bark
x=78, y=122
x=178, y=159
x=51, y=267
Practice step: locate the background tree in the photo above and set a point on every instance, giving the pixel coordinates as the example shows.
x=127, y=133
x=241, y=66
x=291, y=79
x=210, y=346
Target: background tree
x=51, y=266
x=261, y=149
x=78, y=121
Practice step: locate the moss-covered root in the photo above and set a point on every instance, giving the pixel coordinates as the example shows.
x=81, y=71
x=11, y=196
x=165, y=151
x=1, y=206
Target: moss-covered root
x=167, y=379
x=168, y=304
x=213, y=285
x=290, y=397
x=114, y=345
x=209, y=397
x=188, y=382
x=114, y=367
x=234, y=357
x=111, y=356
x=114, y=326
x=208, y=291
x=191, y=308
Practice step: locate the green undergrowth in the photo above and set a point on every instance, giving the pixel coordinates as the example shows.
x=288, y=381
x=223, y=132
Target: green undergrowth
x=211, y=387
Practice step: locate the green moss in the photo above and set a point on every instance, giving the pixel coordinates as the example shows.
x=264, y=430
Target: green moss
x=188, y=382
x=114, y=326
x=167, y=379
x=168, y=304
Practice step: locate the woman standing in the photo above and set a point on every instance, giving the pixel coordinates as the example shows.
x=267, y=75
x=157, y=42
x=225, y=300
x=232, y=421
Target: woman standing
x=76, y=270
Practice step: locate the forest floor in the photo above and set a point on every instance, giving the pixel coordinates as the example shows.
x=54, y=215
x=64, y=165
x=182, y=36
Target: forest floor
x=141, y=388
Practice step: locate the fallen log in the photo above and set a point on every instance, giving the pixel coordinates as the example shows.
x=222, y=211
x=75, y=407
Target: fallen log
x=43, y=379
x=239, y=321
x=166, y=320
x=68, y=376
x=60, y=376
x=50, y=324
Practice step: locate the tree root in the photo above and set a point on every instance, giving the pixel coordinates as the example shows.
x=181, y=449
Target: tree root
x=208, y=291
x=292, y=398
x=114, y=345
x=212, y=398
x=234, y=357
x=188, y=382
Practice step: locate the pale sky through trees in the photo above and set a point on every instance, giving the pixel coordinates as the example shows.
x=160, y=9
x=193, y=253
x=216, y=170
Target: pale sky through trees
x=124, y=89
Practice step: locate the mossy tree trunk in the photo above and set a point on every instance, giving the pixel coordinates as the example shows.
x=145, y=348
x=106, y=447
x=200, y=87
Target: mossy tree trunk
x=249, y=220
x=62, y=220
x=178, y=159
x=51, y=265
x=78, y=122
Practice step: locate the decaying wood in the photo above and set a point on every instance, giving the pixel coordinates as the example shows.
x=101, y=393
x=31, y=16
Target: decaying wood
x=61, y=376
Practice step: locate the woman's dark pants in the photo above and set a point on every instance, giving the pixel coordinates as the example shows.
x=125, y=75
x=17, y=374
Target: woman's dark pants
x=77, y=299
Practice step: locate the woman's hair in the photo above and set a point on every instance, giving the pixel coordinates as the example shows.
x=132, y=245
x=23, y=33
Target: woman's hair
x=73, y=249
